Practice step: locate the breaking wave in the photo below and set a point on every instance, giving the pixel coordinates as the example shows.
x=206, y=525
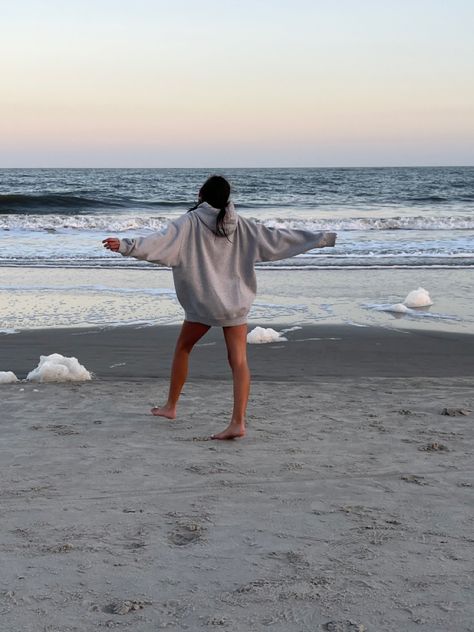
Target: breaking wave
x=66, y=203
x=121, y=223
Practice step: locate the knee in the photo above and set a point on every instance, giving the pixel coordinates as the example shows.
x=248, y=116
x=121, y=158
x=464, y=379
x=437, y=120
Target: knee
x=237, y=361
x=185, y=347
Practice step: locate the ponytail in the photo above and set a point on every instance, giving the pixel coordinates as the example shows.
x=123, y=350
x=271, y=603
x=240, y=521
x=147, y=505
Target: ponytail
x=220, y=228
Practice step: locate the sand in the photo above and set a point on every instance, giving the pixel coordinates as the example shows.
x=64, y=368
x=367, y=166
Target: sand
x=348, y=507
x=312, y=352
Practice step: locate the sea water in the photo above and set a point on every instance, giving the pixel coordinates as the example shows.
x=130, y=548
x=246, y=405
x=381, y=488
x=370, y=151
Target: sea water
x=52, y=221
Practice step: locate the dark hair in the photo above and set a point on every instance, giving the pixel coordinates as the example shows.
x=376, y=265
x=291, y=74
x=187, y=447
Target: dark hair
x=216, y=191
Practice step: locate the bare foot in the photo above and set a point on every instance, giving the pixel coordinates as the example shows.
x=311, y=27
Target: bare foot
x=233, y=431
x=165, y=411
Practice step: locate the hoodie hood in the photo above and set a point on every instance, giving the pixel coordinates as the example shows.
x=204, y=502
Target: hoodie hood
x=208, y=215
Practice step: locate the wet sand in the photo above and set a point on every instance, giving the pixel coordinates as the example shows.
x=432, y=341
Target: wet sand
x=311, y=352
x=348, y=506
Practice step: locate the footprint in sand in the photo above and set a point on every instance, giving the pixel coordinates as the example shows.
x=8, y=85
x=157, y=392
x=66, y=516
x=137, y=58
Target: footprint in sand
x=124, y=606
x=217, y=621
x=344, y=626
x=61, y=429
x=187, y=533
x=455, y=412
x=434, y=447
x=293, y=466
x=412, y=478
x=219, y=467
x=58, y=548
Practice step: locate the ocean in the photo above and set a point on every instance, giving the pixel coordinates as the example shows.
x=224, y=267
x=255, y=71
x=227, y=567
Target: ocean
x=398, y=229
x=405, y=217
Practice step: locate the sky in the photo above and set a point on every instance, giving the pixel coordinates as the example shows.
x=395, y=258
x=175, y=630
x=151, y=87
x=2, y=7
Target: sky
x=208, y=83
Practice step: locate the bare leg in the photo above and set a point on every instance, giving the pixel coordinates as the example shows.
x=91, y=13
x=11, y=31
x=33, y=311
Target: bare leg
x=190, y=334
x=236, y=341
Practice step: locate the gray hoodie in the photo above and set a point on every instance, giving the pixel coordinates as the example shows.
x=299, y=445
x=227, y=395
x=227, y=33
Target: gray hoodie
x=214, y=277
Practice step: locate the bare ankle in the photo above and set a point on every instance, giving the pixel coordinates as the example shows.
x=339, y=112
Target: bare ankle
x=238, y=423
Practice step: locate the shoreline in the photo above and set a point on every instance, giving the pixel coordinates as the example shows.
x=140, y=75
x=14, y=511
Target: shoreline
x=68, y=298
x=311, y=353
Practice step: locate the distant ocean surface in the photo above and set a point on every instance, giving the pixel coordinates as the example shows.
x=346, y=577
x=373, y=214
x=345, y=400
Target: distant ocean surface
x=387, y=217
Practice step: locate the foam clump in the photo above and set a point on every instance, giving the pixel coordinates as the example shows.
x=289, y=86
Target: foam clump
x=261, y=335
x=398, y=308
x=7, y=377
x=418, y=298
x=58, y=368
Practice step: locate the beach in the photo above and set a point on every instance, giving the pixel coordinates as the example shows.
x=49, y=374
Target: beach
x=305, y=170
x=347, y=507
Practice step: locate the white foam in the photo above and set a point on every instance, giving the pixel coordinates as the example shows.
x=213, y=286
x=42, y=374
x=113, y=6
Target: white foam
x=7, y=377
x=58, y=368
x=414, y=299
x=262, y=335
x=398, y=308
x=121, y=223
x=418, y=298
x=295, y=328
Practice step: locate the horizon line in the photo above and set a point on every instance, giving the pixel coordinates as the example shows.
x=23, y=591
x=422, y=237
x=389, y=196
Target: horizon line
x=422, y=166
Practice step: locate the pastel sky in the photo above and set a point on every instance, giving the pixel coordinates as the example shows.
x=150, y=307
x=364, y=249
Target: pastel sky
x=155, y=83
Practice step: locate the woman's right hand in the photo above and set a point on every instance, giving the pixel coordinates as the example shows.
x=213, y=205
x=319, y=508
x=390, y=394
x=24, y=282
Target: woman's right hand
x=111, y=243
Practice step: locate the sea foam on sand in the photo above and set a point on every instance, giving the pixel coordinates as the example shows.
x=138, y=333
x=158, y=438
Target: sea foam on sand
x=58, y=368
x=261, y=335
x=7, y=377
x=414, y=299
x=398, y=308
x=418, y=298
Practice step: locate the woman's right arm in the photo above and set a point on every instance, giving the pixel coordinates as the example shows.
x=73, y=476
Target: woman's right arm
x=163, y=247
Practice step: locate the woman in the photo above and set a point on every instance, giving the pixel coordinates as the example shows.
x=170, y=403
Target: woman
x=212, y=252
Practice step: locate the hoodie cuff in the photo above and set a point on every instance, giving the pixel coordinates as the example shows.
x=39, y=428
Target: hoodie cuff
x=125, y=246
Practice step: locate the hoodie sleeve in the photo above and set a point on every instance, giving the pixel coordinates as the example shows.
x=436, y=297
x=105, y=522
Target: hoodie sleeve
x=282, y=243
x=163, y=247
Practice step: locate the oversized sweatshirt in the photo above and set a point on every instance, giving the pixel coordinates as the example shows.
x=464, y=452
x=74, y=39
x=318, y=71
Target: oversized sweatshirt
x=214, y=276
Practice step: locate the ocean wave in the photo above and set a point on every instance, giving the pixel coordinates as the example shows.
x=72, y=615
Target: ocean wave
x=71, y=203
x=68, y=203
x=51, y=202
x=121, y=223
x=437, y=199
x=261, y=267
x=428, y=198
x=315, y=262
x=378, y=223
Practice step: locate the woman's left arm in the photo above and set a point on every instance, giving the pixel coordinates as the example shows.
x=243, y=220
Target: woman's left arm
x=282, y=243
